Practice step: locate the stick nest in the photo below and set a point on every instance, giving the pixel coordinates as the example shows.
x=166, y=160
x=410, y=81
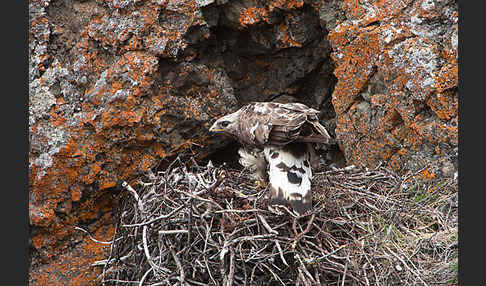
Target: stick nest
x=207, y=225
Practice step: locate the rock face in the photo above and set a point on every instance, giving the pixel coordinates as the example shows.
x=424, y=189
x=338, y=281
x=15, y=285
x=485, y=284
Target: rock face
x=396, y=95
x=117, y=86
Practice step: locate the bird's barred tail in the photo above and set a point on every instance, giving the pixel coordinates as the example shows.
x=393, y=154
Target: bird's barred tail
x=290, y=175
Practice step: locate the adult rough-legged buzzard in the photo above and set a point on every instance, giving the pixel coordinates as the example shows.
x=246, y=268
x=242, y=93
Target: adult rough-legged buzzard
x=276, y=143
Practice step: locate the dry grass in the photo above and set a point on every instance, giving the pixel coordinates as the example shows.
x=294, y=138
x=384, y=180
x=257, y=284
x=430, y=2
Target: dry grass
x=205, y=225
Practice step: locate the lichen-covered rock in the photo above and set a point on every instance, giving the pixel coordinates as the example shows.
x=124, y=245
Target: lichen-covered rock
x=117, y=86
x=39, y=33
x=104, y=108
x=396, y=94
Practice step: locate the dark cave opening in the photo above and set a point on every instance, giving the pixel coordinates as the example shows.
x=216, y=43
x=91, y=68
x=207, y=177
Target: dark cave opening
x=263, y=69
x=225, y=155
x=263, y=66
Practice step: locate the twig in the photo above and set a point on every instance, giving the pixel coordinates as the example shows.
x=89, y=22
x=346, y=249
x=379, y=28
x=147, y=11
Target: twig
x=182, y=276
x=92, y=238
x=406, y=265
x=304, y=269
x=145, y=247
x=298, y=236
x=157, y=218
x=266, y=225
x=344, y=275
x=232, y=268
x=144, y=276
x=281, y=253
x=175, y=231
x=135, y=195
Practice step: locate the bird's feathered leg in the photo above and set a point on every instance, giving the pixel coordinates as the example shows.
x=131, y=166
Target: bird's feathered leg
x=254, y=161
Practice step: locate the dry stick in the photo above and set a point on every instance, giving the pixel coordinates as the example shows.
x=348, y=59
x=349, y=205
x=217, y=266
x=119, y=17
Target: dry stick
x=205, y=247
x=111, y=253
x=227, y=243
x=231, y=274
x=208, y=228
x=298, y=236
x=316, y=273
x=281, y=252
x=294, y=227
x=251, y=237
x=274, y=275
x=304, y=269
x=252, y=274
x=144, y=277
x=337, y=270
x=209, y=270
x=415, y=173
x=122, y=281
x=302, y=277
x=374, y=271
x=166, y=216
x=266, y=225
x=182, y=276
x=193, y=282
x=327, y=255
x=344, y=275
x=93, y=239
x=237, y=211
x=362, y=191
x=189, y=228
x=145, y=248
x=194, y=196
x=366, y=275
x=164, y=282
x=291, y=213
x=175, y=231
x=405, y=264
x=135, y=195
x=222, y=270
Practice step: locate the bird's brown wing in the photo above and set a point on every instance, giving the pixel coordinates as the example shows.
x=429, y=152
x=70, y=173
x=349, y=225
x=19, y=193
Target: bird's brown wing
x=295, y=122
x=280, y=124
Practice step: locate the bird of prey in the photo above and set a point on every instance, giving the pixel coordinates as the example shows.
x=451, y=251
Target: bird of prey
x=277, y=147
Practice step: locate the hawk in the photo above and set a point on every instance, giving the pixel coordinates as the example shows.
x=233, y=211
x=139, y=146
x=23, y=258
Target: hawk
x=277, y=147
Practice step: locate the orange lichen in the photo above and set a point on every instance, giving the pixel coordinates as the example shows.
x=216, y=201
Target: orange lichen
x=447, y=77
x=427, y=174
x=401, y=60
x=94, y=169
x=56, y=118
x=106, y=183
x=445, y=105
x=63, y=270
x=352, y=8
x=286, y=38
x=253, y=15
x=355, y=61
x=76, y=193
x=147, y=161
x=284, y=4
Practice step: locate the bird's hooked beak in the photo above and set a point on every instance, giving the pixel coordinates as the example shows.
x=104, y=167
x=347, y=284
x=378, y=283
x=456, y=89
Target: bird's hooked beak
x=215, y=128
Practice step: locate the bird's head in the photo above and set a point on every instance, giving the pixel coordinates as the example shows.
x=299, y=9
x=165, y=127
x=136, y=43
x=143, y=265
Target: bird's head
x=226, y=124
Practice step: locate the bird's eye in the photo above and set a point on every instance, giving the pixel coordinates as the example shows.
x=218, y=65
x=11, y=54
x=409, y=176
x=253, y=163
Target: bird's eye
x=224, y=124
